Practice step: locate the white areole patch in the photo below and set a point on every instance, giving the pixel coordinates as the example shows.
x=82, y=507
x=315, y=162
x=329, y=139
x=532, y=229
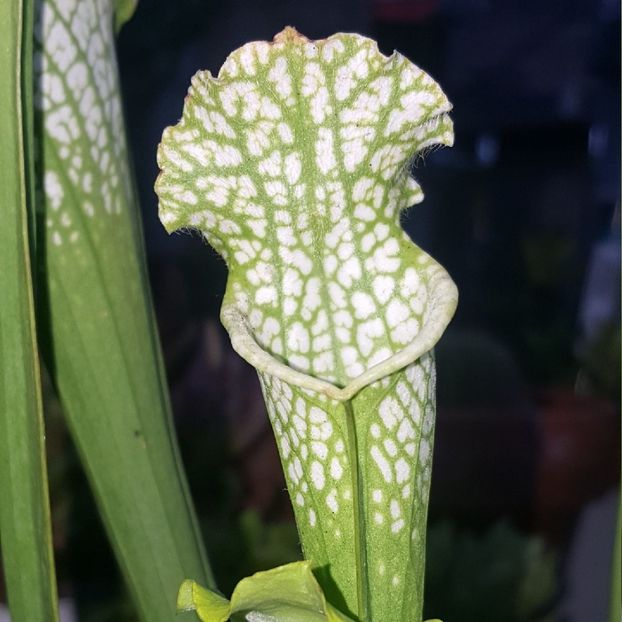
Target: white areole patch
x=77, y=95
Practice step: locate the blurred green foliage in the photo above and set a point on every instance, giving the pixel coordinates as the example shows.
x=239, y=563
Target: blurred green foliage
x=601, y=362
x=498, y=575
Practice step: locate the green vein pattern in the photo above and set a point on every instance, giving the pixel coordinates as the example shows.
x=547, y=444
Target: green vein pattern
x=294, y=163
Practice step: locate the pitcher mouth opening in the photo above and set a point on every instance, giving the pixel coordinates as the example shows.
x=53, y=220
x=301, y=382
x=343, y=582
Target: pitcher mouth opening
x=442, y=302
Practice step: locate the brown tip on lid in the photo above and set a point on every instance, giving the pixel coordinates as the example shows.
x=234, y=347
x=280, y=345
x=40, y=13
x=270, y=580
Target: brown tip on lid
x=290, y=35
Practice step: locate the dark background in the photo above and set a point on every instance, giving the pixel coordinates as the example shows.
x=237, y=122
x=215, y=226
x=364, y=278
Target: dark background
x=524, y=212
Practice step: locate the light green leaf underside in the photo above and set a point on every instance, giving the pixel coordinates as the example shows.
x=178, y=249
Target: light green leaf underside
x=209, y=605
x=288, y=593
x=25, y=525
x=102, y=346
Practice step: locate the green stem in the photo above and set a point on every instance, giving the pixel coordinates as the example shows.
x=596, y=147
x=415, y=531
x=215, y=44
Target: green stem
x=360, y=549
x=615, y=607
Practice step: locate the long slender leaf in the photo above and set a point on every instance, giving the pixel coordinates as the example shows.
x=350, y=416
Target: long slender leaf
x=25, y=527
x=615, y=603
x=102, y=347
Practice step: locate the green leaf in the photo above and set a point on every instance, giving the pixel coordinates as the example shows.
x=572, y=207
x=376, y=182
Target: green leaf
x=25, y=526
x=288, y=593
x=208, y=604
x=101, y=342
x=615, y=602
x=124, y=9
x=294, y=163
